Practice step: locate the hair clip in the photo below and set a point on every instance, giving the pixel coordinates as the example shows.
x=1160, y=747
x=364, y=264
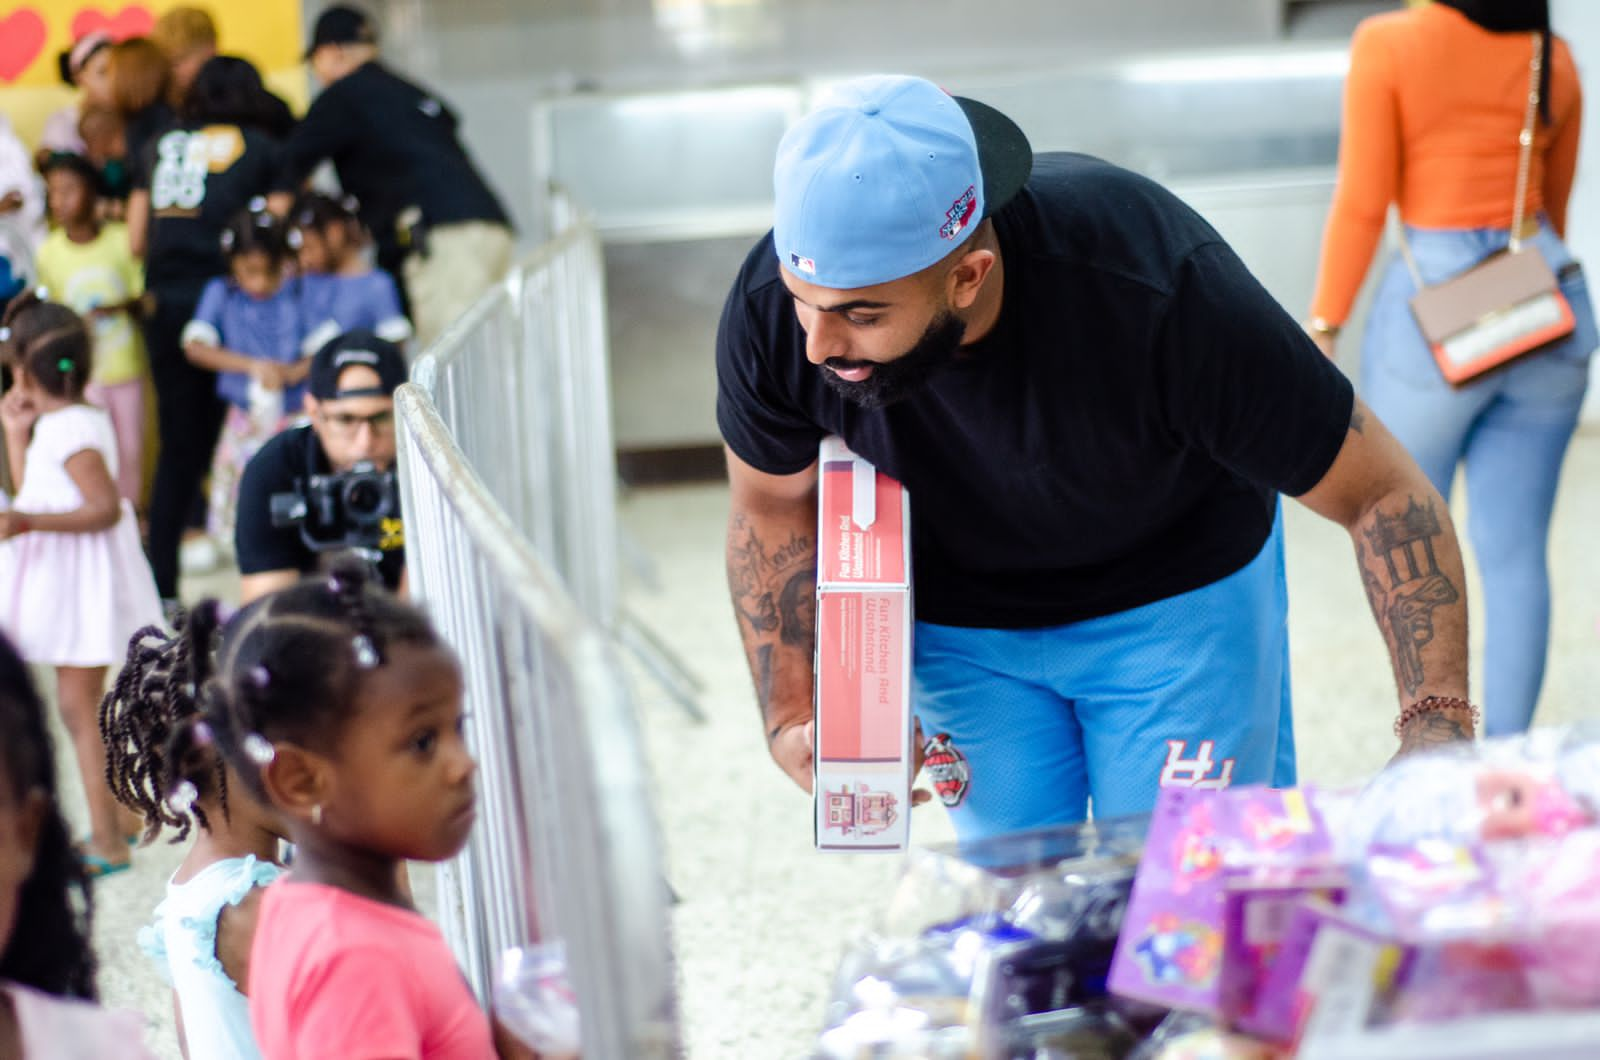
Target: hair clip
x=189, y=689
x=260, y=676
x=256, y=204
x=182, y=798
x=66, y=365
x=295, y=240
x=203, y=734
x=42, y=293
x=5, y=334
x=366, y=654
x=259, y=749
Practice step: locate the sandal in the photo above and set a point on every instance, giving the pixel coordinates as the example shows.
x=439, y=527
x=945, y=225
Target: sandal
x=98, y=868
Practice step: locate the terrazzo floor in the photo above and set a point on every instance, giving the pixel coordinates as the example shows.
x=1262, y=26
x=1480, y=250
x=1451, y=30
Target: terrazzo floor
x=762, y=918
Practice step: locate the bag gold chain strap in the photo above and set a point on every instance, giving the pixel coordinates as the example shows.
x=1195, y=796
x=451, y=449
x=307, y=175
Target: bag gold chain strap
x=1524, y=164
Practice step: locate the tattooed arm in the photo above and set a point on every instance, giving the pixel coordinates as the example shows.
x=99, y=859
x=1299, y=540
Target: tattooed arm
x=772, y=575
x=1410, y=565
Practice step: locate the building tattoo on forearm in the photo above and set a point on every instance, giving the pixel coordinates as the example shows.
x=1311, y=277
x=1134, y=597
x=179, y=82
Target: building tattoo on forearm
x=1403, y=548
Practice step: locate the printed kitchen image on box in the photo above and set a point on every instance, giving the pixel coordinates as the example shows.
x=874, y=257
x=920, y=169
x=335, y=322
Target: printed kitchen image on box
x=863, y=663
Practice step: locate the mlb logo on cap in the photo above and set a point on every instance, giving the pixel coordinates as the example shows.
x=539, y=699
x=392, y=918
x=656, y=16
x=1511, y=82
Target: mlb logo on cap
x=886, y=177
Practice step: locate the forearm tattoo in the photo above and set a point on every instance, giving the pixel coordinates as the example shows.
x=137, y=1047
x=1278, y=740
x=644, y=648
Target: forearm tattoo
x=1405, y=585
x=774, y=596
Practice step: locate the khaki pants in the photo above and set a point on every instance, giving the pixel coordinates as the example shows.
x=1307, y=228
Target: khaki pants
x=462, y=262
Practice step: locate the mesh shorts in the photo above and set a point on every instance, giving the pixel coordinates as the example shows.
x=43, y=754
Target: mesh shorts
x=1029, y=727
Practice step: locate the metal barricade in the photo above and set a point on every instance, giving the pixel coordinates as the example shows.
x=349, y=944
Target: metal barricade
x=522, y=383
x=506, y=484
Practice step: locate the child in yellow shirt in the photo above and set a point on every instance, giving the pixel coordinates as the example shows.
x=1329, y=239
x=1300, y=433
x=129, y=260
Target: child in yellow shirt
x=88, y=265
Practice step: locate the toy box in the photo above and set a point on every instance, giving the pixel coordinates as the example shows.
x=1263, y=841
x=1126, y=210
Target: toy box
x=863, y=661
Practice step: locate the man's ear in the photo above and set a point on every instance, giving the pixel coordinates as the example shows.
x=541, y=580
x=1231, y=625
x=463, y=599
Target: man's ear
x=965, y=279
x=296, y=780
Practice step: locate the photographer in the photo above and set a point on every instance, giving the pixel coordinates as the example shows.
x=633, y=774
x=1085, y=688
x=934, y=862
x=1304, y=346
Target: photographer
x=329, y=485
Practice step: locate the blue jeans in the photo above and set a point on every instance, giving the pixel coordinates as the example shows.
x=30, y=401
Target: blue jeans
x=1189, y=691
x=1511, y=428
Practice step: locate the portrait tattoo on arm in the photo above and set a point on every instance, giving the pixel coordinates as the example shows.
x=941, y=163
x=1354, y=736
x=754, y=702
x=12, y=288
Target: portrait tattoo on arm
x=1403, y=549
x=774, y=597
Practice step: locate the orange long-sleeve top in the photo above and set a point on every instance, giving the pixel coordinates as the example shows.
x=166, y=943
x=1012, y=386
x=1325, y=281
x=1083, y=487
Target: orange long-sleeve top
x=1433, y=105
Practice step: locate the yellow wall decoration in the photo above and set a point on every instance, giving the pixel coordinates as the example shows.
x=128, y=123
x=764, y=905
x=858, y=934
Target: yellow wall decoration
x=34, y=32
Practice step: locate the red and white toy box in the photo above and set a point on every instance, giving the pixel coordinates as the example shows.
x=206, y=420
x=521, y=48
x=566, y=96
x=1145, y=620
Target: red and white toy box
x=863, y=665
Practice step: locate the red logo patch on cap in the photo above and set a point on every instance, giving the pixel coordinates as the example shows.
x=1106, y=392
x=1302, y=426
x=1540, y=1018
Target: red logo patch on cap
x=960, y=214
x=948, y=770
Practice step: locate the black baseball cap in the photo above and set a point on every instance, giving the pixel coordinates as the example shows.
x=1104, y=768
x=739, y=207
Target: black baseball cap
x=348, y=350
x=340, y=24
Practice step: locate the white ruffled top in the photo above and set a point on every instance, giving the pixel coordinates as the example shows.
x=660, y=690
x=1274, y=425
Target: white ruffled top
x=183, y=944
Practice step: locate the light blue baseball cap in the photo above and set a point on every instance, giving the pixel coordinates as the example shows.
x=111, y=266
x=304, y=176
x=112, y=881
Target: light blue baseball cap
x=888, y=175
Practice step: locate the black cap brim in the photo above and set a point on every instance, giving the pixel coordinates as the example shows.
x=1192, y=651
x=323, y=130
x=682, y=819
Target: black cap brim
x=1004, y=155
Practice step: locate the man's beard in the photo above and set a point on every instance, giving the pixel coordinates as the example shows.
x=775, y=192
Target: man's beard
x=894, y=380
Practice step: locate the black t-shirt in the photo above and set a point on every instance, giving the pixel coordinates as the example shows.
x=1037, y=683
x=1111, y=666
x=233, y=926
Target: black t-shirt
x=140, y=131
x=1115, y=440
x=394, y=145
x=199, y=178
x=294, y=454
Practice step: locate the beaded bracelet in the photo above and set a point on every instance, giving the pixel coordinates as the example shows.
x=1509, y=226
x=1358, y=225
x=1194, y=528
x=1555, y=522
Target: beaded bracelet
x=1429, y=704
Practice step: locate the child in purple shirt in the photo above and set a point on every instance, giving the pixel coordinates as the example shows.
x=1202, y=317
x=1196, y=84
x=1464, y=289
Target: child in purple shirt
x=344, y=291
x=252, y=328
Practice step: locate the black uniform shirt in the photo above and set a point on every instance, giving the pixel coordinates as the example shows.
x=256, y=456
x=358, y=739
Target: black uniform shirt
x=394, y=145
x=1117, y=439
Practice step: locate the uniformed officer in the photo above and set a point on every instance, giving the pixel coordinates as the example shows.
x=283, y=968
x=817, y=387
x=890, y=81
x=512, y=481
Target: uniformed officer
x=437, y=224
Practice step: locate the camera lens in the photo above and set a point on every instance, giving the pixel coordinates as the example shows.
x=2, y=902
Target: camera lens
x=364, y=498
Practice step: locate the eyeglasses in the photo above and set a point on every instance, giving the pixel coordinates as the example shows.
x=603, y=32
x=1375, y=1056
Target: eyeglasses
x=349, y=424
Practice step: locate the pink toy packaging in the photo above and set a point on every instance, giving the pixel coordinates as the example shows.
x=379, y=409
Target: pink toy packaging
x=863, y=662
x=1250, y=850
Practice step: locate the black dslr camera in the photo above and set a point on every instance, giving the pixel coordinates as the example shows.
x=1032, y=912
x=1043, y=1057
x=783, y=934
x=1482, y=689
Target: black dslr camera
x=356, y=509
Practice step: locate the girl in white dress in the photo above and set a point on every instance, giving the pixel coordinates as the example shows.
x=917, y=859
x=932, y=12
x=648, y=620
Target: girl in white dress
x=74, y=584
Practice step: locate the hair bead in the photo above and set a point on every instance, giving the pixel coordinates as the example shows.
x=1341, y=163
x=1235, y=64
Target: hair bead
x=259, y=749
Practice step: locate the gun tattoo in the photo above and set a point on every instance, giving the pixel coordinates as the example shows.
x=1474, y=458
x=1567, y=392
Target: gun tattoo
x=1402, y=547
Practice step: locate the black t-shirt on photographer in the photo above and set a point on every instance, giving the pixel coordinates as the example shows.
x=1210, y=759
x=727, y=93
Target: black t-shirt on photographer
x=295, y=454
x=1119, y=438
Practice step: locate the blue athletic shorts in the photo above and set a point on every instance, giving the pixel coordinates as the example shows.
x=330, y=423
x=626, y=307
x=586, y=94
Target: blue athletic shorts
x=1027, y=727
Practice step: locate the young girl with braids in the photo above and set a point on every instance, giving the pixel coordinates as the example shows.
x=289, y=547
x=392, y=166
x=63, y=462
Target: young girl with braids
x=162, y=764
x=74, y=583
x=339, y=706
x=47, y=969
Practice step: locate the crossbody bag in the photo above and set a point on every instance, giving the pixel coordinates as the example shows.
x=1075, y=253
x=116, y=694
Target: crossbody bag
x=1507, y=305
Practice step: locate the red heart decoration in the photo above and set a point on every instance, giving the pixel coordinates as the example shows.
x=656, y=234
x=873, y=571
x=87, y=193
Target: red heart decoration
x=22, y=36
x=131, y=21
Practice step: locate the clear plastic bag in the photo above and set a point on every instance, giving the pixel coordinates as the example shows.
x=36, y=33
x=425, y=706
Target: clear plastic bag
x=534, y=1001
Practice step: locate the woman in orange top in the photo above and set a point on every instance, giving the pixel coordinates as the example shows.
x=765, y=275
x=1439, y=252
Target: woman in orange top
x=1434, y=103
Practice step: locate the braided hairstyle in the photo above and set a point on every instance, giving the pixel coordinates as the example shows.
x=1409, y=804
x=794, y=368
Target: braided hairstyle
x=290, y=666
x=49, y=342
x=49, y=948
x=159, y=758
